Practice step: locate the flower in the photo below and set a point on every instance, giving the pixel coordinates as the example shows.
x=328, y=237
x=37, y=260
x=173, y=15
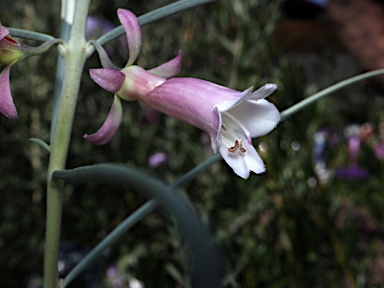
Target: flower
x=231, y=118
x=131, y=82
x=11, y=51
x=156, y=159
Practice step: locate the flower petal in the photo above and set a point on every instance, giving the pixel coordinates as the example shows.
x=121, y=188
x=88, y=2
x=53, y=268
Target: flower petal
x=193, y=101
x=169, y=69
x=7, y=107
x=263, y=92
x=242, y=162
x=259, y=117
x=3, y=31
x=132, y=29
x=260, y=93
x=241, y=96
x=235, y=161
x=110, y=126
x=150, y=114
x=109, y=79
x=253, y=160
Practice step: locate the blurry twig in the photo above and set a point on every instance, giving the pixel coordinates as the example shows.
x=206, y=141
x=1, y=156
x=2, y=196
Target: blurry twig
x=304, y=103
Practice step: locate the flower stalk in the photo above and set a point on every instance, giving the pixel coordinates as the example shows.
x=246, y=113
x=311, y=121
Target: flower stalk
x=74, y=58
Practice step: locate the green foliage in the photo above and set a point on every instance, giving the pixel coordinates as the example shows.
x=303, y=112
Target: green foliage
x=274, y=230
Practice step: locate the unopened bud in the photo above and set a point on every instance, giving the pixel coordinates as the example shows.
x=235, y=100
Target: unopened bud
x=10, y=50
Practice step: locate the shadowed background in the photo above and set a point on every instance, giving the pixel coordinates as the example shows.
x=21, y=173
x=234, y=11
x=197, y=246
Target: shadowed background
x=295, y=226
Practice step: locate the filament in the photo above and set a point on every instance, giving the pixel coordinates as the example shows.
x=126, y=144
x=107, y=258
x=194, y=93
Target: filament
x=241, y=125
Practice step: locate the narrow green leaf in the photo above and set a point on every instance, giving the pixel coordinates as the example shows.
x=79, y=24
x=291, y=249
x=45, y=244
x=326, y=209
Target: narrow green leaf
x=207, y=266
x=41, y=143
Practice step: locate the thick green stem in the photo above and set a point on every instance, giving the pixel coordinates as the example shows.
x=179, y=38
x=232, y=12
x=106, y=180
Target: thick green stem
x=74, y=63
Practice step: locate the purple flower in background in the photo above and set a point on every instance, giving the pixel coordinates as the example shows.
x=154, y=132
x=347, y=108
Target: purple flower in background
x=157, y=159
x=131, y=82
x=353, y=171
x=379, y=150
x=116, y=279
x=97, y=26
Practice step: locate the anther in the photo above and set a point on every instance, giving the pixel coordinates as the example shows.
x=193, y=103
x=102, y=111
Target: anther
x=234, y=148
x=238, y=145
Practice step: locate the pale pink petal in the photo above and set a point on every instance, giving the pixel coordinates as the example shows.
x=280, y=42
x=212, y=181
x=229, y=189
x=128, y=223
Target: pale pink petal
x=169, y=69
x=235, y=161
x=109, y=127
x=7, y=107
x=260, y=93
x=253, y=160
x=260, y=117
x=3, y=32
x=214, y=131
x=132, y=29
x=263, y=92
x=193, y=101
x=109, y=79
x=227, y=105
x=242, y=162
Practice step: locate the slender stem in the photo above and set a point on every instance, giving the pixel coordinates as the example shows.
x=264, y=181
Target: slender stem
x=67, y=15
x=196, y=171
x=304, y=103
x=74, y=62
x=30, y=35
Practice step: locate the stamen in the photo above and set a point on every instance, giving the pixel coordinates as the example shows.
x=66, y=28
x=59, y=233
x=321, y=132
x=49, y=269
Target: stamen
x=246, y=131
x=223, y=127
x=238, y=145
x=234, y=148
x=241, y=146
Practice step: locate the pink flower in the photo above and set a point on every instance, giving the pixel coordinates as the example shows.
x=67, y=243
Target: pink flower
x=231, y=118
x=131, y=82
x=10, y=53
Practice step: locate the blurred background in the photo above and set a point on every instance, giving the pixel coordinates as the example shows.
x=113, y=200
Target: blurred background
x=315, y=219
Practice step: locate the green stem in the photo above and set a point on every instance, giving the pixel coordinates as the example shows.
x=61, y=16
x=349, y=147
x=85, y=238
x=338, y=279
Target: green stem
x=65, y=30
x=74, y=62
x=312, y=99
x=30, y=35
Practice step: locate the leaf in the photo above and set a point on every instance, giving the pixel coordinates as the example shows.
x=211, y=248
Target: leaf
x=41, y=143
